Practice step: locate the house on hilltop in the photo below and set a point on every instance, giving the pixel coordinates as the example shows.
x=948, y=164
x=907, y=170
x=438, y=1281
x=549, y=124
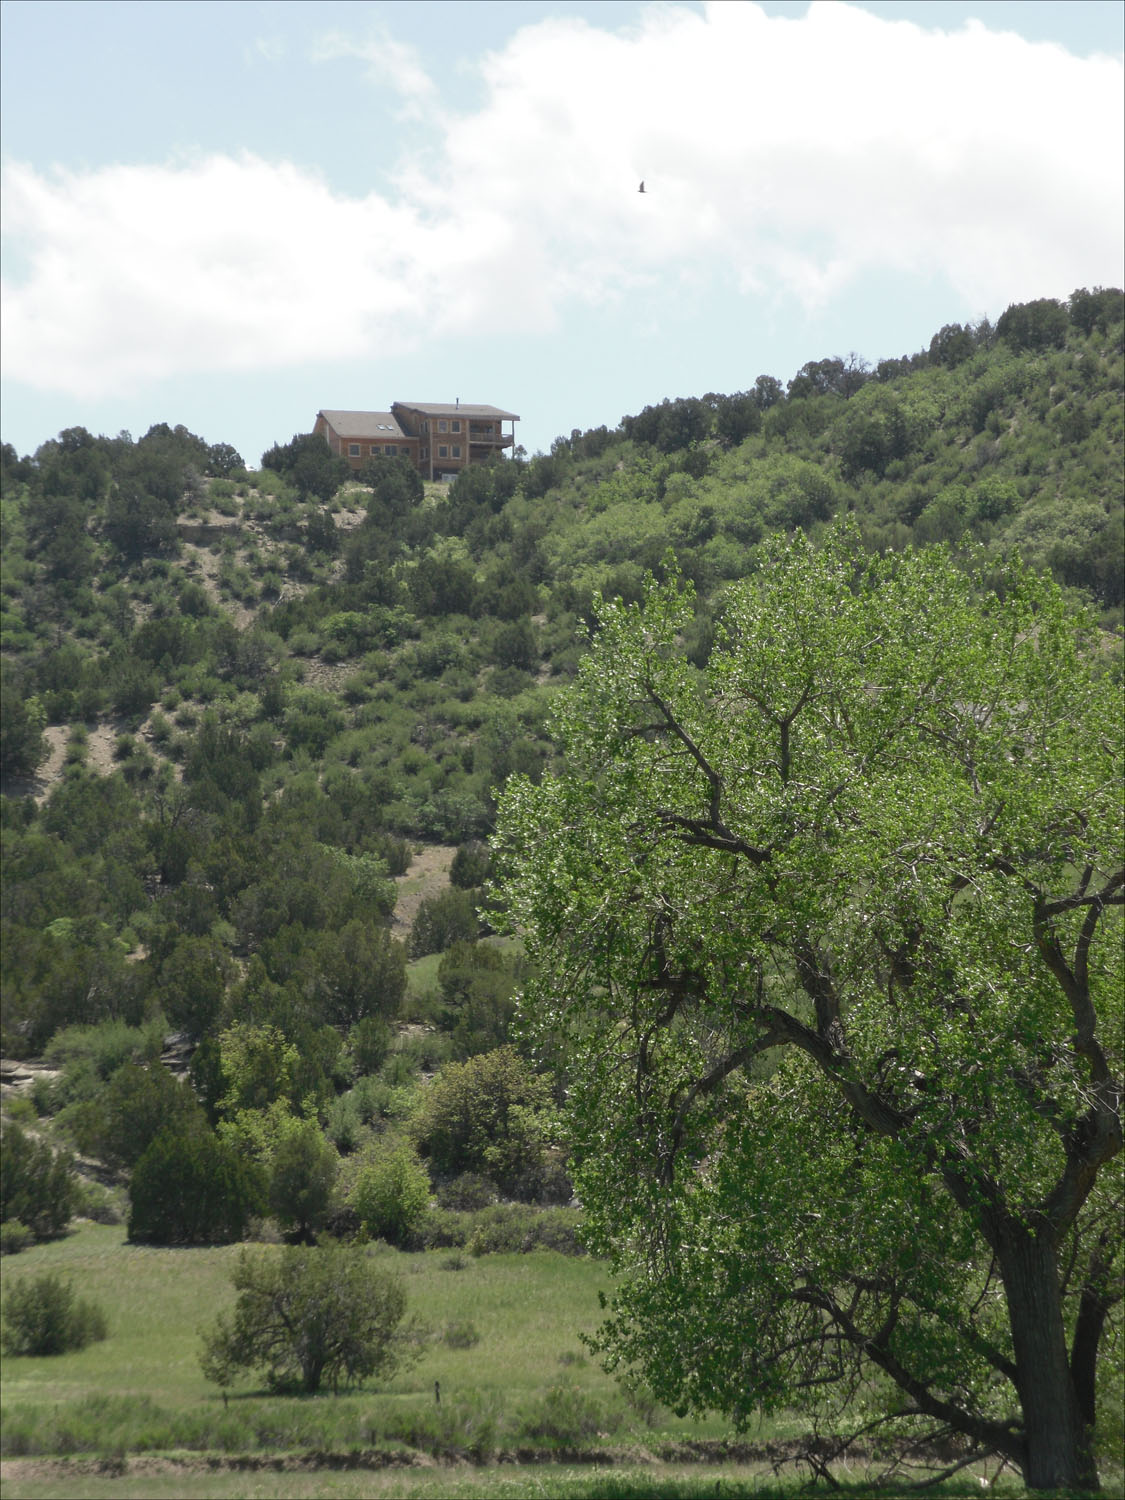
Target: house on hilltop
x=439, y=439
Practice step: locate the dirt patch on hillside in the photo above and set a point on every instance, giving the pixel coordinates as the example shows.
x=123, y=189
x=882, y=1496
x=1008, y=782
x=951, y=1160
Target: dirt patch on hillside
x=427, y=874
x=206, y=569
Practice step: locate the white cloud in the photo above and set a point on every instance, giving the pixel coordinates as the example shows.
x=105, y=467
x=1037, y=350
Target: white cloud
x=786, y=156
x=390, y=64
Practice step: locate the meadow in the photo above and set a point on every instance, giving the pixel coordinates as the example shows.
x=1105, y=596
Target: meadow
x=523, y=1411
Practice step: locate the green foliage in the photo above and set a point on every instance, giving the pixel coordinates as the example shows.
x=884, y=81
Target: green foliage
x=370, y=1040
x=192, y=979
x=259, y=1068
x=477, y=983
x=491, y=1115
x=122, y=1120
x=193, y=1189
x=507, y=1228
x=363, y=973
x=43, y=1315
x=306, y=1317
x=442, y=920
x=1033, y=325
x=302, y=1175
x=22, y=721
x=828, y=932
x=469, y=869
x=37, y=1184
x=14, y=1237
x=307, y=463
x=565, y=1414
x=391, y=1193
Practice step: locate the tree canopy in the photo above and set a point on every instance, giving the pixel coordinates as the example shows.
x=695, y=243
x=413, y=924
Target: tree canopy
x=828, y=929
x=305, y=1316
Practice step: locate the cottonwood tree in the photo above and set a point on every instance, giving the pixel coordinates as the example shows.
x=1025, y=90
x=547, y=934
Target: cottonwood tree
x=827, y=930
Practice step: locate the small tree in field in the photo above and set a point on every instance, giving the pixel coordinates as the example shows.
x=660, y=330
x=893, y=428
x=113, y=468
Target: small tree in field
x=306, y=1317
x=37, y=1185
x=42, y=1315
x=829, y=930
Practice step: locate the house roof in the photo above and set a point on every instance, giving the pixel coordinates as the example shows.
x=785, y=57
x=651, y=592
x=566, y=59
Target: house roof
x=460, y=409
x=369, y=425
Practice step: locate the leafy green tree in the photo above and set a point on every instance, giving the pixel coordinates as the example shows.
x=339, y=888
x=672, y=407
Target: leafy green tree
x=222, y=460
x=192, y=983
x=1096, y=309
x=136, y=1105
x=830, y=933
x=477, y=983
x=139, y=522
x=470, y=865
x=308, y=1316
x=302, y=1176
x=43, y=1315
x=193, y=1188
x=1035, y=325
x=37, y=1185
x=391, y=1193
x=449, y=917
x=490, y=1115
x=362, y=973
x=308, y=463
x=22, y=721
x=260, y=1067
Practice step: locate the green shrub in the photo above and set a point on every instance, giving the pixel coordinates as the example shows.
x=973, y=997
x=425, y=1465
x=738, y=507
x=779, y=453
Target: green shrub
x=517, y=1228
x=106, y=1046
x=369, y=1041
x=456, y=1428
x=447, y=918
x=42, y=1315
x=302, y=1176
x=343, y=1125
x=37, y=1185
x=470, y=865
x=14, y=1237
x=131, y=1110
x=467, y=1192
x=460, y=1333
x=490, y=1115
x=567, y=1415
x=391, y=1194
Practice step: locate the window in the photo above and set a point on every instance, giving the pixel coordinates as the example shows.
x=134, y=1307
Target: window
x=374, y=450
x=390, y=448
x=456, y=427
x=456, y=450
x=443, y=451
x=443, y=425
x=353, y=450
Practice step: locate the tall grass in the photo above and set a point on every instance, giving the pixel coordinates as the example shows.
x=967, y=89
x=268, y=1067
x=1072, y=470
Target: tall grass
x=142, y=1389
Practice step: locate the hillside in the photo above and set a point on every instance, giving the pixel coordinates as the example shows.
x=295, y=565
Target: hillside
x=237, y=703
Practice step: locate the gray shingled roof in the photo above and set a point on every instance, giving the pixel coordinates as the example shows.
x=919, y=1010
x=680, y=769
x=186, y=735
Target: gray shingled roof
x=369, y=425
x=444, y=409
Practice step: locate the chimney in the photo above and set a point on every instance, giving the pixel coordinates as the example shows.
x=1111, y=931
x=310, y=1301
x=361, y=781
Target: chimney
x=458, y=400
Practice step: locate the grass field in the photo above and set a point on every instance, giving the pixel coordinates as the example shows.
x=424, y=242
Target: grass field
x=134, y=1417
x=142, y=1389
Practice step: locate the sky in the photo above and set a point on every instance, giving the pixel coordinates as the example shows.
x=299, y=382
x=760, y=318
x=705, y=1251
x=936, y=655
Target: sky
x=232, y=213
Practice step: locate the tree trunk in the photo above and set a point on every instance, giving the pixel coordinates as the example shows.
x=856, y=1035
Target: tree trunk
x=1058, y=1454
